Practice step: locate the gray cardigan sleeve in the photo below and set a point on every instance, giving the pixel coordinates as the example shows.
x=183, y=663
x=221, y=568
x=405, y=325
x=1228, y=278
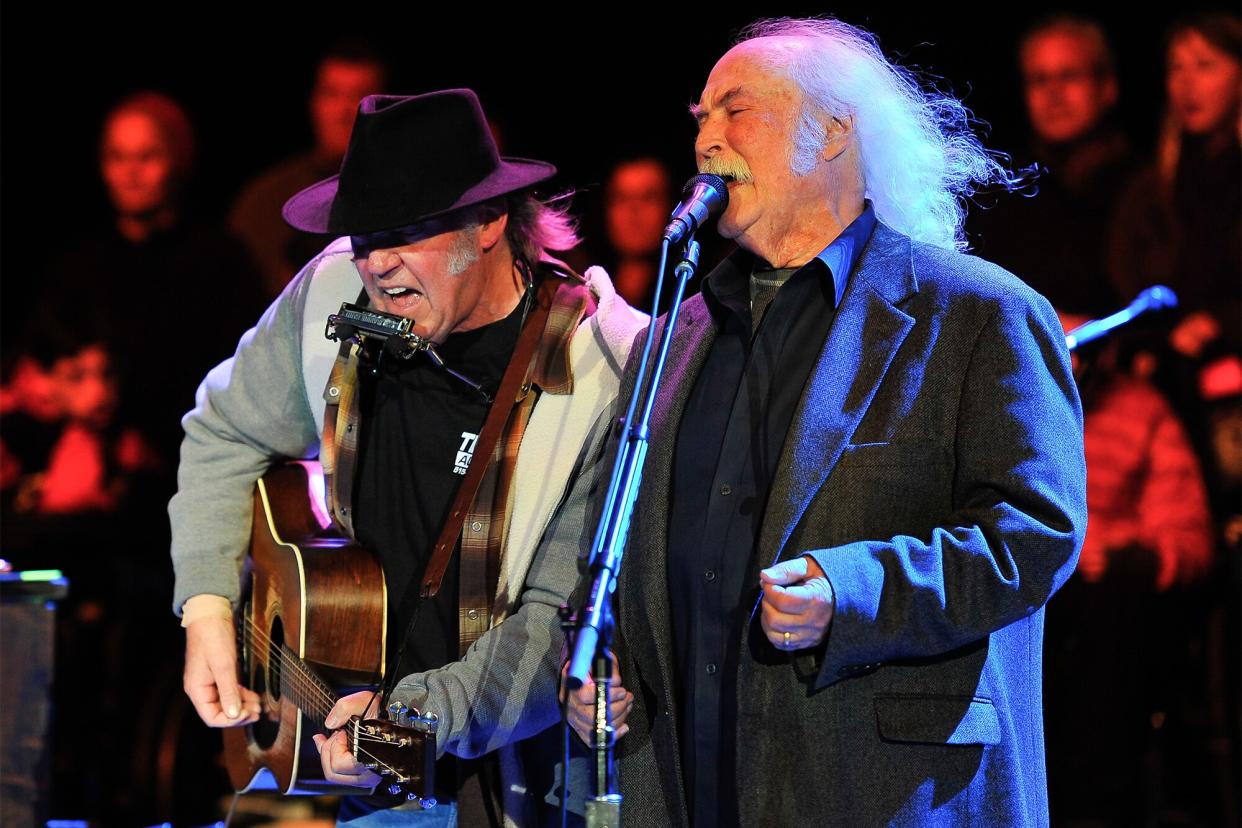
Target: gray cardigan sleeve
x=249, y=411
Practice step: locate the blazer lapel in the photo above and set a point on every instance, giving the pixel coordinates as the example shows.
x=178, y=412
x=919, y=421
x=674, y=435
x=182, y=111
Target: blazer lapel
x=865, y=336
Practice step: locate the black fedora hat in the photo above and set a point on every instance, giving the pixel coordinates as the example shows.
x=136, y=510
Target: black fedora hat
x=410, y=159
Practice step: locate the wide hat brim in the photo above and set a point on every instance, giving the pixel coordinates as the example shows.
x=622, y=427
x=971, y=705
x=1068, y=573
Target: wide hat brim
x=311, y=209
x=412, y=158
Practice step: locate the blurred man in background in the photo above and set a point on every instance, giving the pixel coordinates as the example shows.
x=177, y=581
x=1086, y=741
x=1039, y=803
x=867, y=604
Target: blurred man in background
x=1055, y=237
x=637, y=199
x=347, y=73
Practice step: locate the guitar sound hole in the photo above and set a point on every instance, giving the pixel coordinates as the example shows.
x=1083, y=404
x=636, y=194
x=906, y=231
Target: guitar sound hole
x=277, y=636
x=266, y=682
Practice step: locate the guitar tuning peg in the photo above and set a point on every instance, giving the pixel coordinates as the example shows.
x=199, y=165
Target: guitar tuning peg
x=427, y=722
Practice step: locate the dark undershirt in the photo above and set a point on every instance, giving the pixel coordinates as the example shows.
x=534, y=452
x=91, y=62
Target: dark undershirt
x=763, y=287
x=415, y=420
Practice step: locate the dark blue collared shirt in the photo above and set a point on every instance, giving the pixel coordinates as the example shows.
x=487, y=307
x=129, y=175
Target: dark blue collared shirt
x=728, y=445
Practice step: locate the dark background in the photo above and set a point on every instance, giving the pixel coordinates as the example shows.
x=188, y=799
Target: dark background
x=578, y=93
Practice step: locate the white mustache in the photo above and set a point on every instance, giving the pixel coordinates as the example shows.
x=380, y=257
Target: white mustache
x=730, y=168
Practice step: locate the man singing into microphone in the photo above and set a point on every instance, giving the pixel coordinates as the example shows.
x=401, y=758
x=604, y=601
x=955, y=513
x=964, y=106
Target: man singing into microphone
x=865, y=476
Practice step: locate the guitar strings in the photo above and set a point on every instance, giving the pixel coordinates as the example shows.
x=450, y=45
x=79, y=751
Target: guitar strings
x=309, y=681
x=309, y=678
x=296, y=684
x=299, y=679
x=297, y=670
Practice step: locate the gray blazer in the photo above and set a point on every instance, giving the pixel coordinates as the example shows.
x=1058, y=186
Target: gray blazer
x=935, y=472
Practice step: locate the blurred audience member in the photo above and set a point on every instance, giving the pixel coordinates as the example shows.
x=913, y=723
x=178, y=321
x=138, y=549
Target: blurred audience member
x=83, y=459
x=346, y=74
x=637, y=201
x=145, y=158
x=1180, y=223
x=169, y=294
x=1118, y=634
x=624, y=228
x=1054, y=238
x=30, y=416
x=1145, y=493
x=1182, y=220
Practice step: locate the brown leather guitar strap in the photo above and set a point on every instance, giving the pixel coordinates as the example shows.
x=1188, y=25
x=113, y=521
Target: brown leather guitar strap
x=514, y=378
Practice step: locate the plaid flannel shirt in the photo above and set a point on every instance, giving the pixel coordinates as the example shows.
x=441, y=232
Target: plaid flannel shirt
x=483, y=533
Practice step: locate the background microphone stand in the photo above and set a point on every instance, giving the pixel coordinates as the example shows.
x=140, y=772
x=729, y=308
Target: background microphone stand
x=594, y=622
x=1154, y=298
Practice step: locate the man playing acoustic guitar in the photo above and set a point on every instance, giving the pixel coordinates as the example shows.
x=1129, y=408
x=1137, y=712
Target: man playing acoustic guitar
x=442, y=231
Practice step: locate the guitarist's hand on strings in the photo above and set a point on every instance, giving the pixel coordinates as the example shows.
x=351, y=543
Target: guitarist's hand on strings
x=338, y=763
x=210, y=678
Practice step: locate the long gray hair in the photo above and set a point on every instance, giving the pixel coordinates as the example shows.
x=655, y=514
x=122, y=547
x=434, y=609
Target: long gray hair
x=919, y=155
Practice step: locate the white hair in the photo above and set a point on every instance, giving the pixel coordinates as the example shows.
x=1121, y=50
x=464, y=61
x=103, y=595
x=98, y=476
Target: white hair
x=919, y=156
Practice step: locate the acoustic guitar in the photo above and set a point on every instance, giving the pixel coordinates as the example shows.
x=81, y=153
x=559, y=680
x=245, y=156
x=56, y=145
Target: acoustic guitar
x=315, y=624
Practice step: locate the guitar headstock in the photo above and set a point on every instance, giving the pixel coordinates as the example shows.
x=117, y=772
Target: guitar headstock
x=401, y=749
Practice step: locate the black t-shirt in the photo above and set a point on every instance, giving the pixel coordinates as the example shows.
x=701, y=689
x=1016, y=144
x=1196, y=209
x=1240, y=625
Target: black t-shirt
x=418, y=428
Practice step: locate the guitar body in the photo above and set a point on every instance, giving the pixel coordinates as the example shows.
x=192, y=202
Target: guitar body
x=314, y=595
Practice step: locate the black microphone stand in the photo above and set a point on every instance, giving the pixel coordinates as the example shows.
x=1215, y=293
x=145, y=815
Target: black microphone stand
x=591, y=651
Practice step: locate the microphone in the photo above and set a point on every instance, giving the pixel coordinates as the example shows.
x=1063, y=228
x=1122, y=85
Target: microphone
x=704, y=196
x=1154, y=298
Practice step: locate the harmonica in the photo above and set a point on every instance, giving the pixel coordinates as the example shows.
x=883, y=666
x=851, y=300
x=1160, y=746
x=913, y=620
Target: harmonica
x=363, y=326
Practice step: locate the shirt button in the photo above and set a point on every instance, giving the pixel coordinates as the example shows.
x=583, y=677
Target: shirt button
x=473, y=615
x=726, y=489
x=344, y=511
x=711, y=669
x=710, y=575
x=477, y=526
x=349, y=428
x=334, y=391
